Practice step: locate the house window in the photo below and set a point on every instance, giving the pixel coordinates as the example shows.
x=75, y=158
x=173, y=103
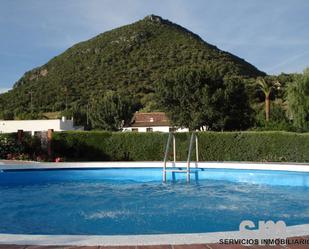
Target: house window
x=149, y=129
x=135, y=129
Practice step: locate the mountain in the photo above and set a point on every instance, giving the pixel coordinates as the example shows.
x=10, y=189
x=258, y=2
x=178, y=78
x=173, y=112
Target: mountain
x=128, y=59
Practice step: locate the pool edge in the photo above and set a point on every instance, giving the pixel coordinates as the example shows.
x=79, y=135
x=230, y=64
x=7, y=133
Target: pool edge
x=295, y=167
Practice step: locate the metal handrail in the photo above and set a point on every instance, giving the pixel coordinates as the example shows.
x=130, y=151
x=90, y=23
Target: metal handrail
x=196, y=149
x=189, y=157
x=167, y=147
x=190, y=147
x=193, y=135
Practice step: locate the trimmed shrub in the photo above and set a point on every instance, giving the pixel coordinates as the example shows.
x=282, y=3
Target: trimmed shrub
x=213, y=146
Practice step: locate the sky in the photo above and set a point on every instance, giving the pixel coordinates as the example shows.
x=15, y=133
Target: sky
x=273, y=35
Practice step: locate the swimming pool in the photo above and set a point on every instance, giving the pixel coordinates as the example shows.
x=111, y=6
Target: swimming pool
x=135, y=201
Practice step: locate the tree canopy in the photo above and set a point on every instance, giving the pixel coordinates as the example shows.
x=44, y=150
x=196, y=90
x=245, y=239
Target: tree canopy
x=298, y=100
x=110, y=111
x=195, y=99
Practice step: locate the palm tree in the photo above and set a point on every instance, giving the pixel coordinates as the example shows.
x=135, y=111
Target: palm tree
x=267, y=86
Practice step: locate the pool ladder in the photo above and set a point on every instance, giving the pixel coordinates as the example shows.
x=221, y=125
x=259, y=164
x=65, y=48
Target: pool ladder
x=182, y=169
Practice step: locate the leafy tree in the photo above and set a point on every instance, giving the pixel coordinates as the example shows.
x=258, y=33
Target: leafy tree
x=298, y=100
x=267, y=86
x=233, y=106
x=194, y=99
x=111, y=111
x=278, y=120
x=178, y=95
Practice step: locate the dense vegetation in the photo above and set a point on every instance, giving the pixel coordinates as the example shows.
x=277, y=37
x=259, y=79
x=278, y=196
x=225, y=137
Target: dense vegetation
x=11, y=148
x=127, y=146
x=8, y=144
x=214, y=146
x=198, y=100
x=285, y=101
x=111, y=111
x=298, y=101
x=128, y=60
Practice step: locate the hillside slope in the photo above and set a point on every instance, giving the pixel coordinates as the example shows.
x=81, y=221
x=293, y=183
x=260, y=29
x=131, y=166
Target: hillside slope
x=127, y=59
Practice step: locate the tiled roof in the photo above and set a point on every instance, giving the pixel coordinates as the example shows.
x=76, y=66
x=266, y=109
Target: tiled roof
x=148, y=119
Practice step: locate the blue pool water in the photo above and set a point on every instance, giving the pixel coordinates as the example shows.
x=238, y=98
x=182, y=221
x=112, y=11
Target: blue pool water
x=135, y=201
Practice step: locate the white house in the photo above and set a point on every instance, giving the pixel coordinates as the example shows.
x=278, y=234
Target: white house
x=10, y=126
x=152, y=121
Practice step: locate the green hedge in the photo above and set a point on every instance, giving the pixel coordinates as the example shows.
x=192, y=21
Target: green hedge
x=214, y=146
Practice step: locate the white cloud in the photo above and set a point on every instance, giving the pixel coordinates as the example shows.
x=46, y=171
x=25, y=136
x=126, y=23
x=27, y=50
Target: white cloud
x=3, y=90
x=294, y=63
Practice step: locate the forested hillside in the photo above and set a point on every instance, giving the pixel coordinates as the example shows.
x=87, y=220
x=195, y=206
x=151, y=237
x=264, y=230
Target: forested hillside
x=128, y=60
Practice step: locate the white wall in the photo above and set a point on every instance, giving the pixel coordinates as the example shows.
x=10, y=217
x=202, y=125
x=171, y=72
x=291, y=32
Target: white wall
x=9, y=126
x=155, y=128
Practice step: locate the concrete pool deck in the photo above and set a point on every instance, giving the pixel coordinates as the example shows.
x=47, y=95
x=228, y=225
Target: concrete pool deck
x=145, y=240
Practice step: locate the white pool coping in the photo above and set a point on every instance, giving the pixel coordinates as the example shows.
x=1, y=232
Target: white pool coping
x=136, y=240
x=296, y=167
